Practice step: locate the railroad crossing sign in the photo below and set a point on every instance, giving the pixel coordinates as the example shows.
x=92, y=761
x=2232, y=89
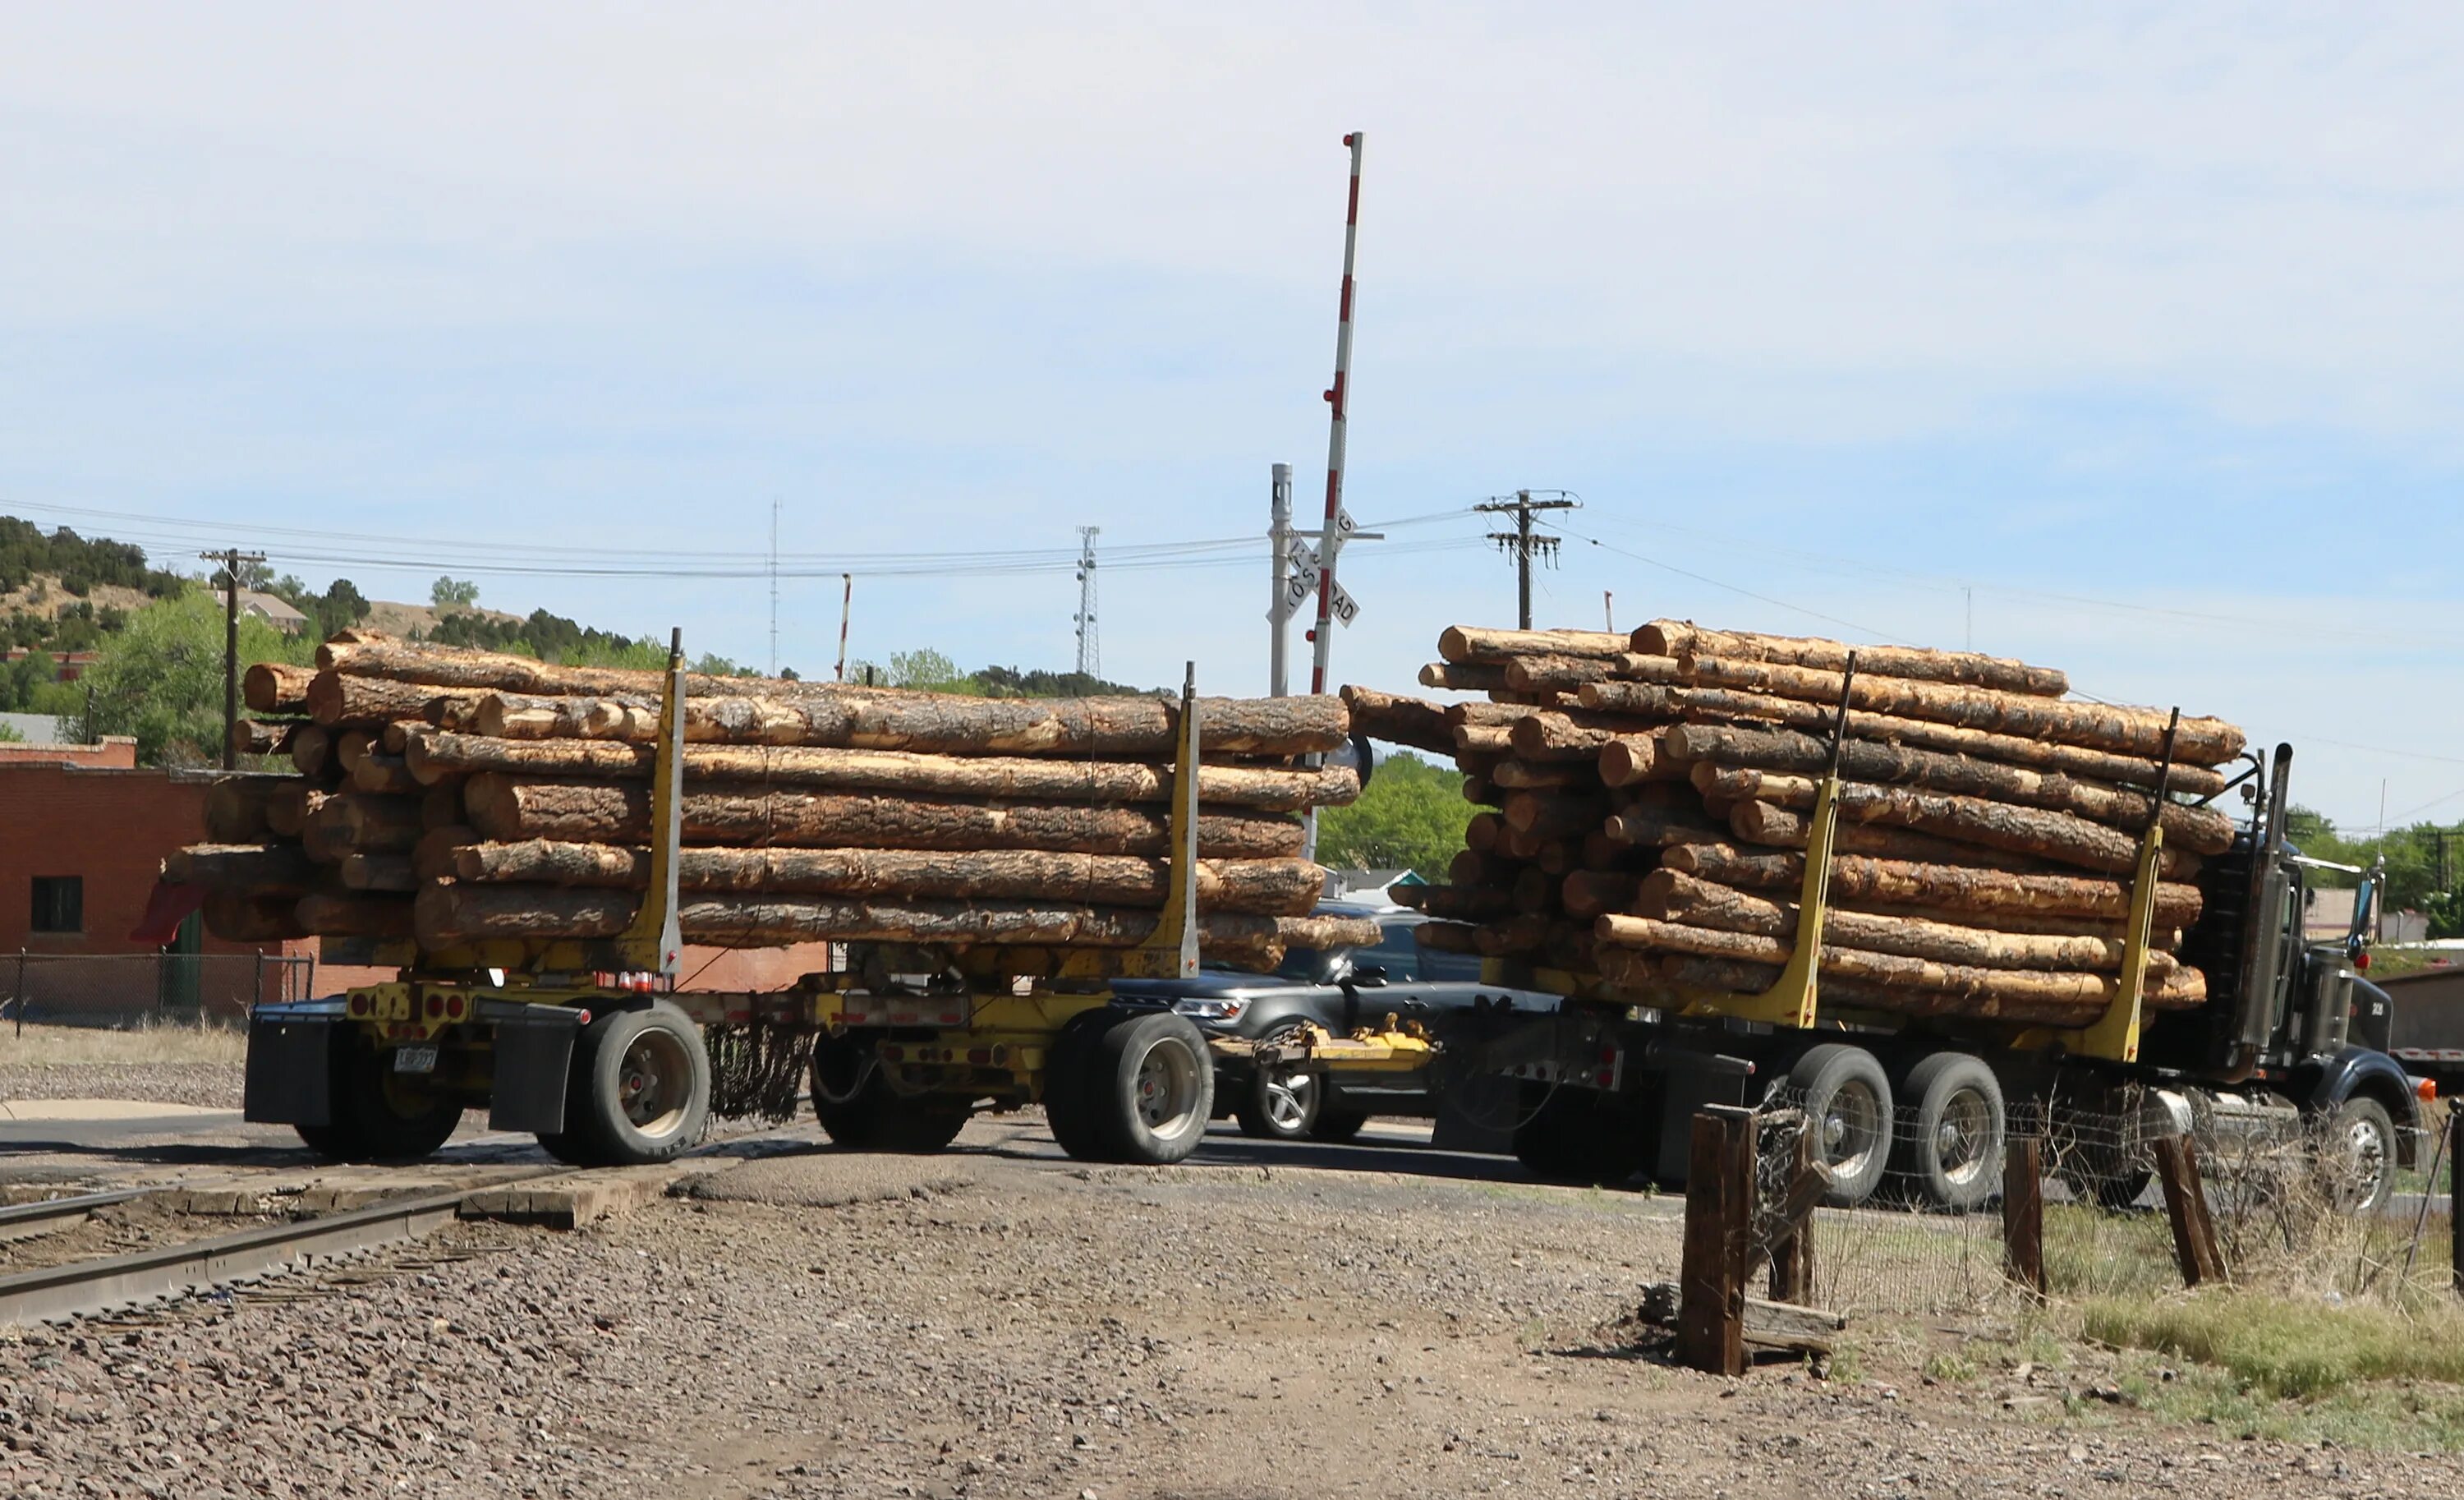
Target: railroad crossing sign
x=1306, y=567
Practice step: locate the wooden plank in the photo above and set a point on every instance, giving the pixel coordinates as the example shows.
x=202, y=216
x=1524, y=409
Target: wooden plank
x=1768, y=1323
x=1792, y=1268
x=1719, y=1231
x=2186, y=1204
x=2023, y=1214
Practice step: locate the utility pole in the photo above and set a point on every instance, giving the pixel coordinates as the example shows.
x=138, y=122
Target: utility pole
x=774, y=585
x=1279, y=536
x=230, y=558
x=1521, y=544
x=847, y=608
x=1091, y=645
x=1607, y=610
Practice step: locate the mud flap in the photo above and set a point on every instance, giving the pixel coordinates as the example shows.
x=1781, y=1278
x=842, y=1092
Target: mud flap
x=534, y=1057
x=1701, y=1080
x=290, y=1070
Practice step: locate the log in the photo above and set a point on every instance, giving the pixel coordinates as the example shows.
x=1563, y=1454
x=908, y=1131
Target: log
x=355, y=916
x=1779, y=827
x=1969, y=819
x=378, y=873
x=1589, y=893
x=453, y=914
x=1965, y=990
x=940, y=723
x=436, y=756
x=1496, y=739
x=310, y=746
x=368, y=654
x=1721, y=705
x=1534, y=891
x=508, y=808
x=1671, y=896
x=1967, y=669
x=1447, y=937
x=1483, y=833
x=1470, y=868
x=1557, y=737
x=1463, y=642
x=257, y=737
x=357, y=823
x=272, y=687
x=1482, y=793
x=433, y=857
x=237, y=806
x=2097, y=726
x=291, y=804
x=244, y=916
x=388, y=775
x=1568, y=674
x=1552, y=815
x=1396, y=720
x=1255, y=887
x=2202, y=830
x=351, y=746
x=1960, y=888
x=1463, y=676
x=1630, y=760
x=1538, y=847
x=1638, y=970
x=1538, y=775
x=440, y=807
x=336, y=701
x=1660, y=827
x=264, y=868
x=1511, y=936
x=1456, y=903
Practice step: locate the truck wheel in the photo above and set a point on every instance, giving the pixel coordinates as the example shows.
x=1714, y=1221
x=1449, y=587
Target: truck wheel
x=859, y=1111
x=1847, y=1102
x=644, y=1094
x=2359, y=1158
x=1952, y=1153
x=382, y=1115
x=329, y=1140
x=1334, y=1127
x=1580, y=1138
x=1068, y=1098
x=1281, y=1100
x=1152, y=1085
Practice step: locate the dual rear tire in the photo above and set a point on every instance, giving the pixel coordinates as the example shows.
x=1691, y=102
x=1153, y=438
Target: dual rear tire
x=1935, y=1137
x=638, y=1091
x=1129, y=1086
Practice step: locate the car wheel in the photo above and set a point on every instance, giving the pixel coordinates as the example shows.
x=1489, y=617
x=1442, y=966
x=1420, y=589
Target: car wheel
x=1281, y=1100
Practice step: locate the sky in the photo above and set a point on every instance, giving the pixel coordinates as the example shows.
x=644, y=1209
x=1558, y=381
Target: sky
x=2118, y=338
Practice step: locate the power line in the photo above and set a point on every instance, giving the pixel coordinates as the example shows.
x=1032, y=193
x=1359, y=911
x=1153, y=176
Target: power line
x=1865, y=631
x=1521, y=544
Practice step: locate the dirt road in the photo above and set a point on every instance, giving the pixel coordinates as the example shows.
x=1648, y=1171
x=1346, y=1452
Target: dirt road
x=998, y=1321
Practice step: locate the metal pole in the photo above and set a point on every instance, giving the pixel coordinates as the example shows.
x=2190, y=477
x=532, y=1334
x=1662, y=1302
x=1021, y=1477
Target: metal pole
x=1339, y=397
x=846, y=607
x=1279, y=536
x=1607, y=611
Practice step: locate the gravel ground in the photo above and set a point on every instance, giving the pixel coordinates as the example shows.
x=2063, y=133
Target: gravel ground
x=985, y=1323
x=212, y=1085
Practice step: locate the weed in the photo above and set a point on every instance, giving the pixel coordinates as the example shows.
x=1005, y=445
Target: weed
x=161, y=1042
x=1950, y=1368
x=2288, y=1346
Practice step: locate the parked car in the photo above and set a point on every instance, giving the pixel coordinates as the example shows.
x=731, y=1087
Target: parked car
x=1340, y=989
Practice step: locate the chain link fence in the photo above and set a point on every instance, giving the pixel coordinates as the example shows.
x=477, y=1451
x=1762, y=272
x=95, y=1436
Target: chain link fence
x=2290, y=1200
x=120, y=990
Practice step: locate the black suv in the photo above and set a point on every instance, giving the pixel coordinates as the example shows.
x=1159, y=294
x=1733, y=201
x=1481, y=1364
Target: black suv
x=1340, y=989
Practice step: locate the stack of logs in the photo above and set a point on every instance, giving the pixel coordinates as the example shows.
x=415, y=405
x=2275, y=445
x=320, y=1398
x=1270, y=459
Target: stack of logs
x=1646, y=800
x=456, y=796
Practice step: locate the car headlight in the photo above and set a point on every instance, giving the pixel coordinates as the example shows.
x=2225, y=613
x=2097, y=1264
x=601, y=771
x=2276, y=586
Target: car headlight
x=1211, y=1009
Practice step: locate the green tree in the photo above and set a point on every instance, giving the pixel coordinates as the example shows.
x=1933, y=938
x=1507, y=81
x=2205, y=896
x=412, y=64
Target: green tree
x=160, y=678
x=928, y=669
x=453, y=593
x=1410, y=816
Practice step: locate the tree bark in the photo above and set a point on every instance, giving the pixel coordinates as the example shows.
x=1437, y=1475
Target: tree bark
x=1635, y=969
x=374, y=655
x=1448, y=936
x=1396, y=720
x=465, y=913
x=310, y=746
x=354, y=915
x=1483, y=833
x=1493, y=739
x=2098, y=726
x=1464, y=643
x=433, y=857
x=338, y=701
x=1674, y=896
x=1471, y=870
x=1976, y=991
x=1588, y=893
x=1660, y=827
x=378, y=873
x=2201, y=830
x=236, y=806
x=1259, y=887
x=244, y=916
x=1969, y=819
x=1451, y=903
x=1630, y=760
x=1948, y=887
x=1966, y=669
x=291, y=804
x=357, y=823
x=1568, y=674
x=435, y=755
x=267, y=869
x=508, y=808
x=256, y=736
x=440, y=807
x=1763, y=823
x=272, y=687
x=1553, y=816
x=1543, y=775
x=388, y=775
x=1557, y=737
x=1512, y=935
x=1721, y=705
x=940, y=723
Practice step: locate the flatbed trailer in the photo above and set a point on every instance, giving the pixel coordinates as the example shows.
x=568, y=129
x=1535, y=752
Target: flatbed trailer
x=594, y=1048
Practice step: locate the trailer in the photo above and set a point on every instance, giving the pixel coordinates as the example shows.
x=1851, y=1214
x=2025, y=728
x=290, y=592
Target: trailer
x=594, y=1047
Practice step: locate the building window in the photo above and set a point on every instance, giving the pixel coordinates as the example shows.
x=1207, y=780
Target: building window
x=60, y=904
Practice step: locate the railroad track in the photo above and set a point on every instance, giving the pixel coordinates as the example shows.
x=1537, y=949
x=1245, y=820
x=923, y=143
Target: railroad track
x=22, y=1221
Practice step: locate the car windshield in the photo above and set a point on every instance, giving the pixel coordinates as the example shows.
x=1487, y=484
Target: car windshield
x=1312, y=966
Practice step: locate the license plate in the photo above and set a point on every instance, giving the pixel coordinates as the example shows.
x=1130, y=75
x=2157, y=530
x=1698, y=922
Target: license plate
x=414, y=1059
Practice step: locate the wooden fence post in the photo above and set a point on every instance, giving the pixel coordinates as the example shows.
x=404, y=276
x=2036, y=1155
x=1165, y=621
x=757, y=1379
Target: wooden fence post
x=2185, y=1204
x=1792, y=1253
x=2023, y=1214
x=1719, y=1230
x=2454, y=1197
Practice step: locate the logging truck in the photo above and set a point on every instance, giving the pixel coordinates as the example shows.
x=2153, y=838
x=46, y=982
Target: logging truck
x=2288, y=1045
x=592, y=1046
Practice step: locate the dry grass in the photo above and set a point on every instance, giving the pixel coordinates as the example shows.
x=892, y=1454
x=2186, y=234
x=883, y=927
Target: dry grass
x=41, y=1045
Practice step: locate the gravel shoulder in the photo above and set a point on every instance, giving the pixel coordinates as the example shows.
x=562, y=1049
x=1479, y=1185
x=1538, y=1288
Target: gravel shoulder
x=994, y=1322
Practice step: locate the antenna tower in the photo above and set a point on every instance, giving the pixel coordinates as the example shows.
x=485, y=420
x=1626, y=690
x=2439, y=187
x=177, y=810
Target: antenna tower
x=1090, y=649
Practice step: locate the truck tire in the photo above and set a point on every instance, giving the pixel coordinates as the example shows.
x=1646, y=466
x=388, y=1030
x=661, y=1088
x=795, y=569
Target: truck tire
x=1950, y=1155
x=1580, y=1138
x=382, y=1115
x=1847, y=1101
x=2358, y=1161
x=860, y=1112
x=1068, y=1100
x=1280, y=1102
x=1334, y=1127
x=1153, y=1088
x=645, y=1087
x=329, y=1140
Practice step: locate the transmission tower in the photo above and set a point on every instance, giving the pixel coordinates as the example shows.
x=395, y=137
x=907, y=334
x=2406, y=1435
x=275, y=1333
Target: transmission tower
x=1090, y=649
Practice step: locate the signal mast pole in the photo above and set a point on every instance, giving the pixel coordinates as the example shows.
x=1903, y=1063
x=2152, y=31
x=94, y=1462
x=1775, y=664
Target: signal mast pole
x=1339, y=397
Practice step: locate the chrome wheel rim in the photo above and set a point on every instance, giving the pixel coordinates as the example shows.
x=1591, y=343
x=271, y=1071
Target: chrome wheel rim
x=1852, y=1125
x=654, y=1082
x=1964, y=1136
x=1290, y=1097
x=2366, y=1155
x=1167, y=1088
